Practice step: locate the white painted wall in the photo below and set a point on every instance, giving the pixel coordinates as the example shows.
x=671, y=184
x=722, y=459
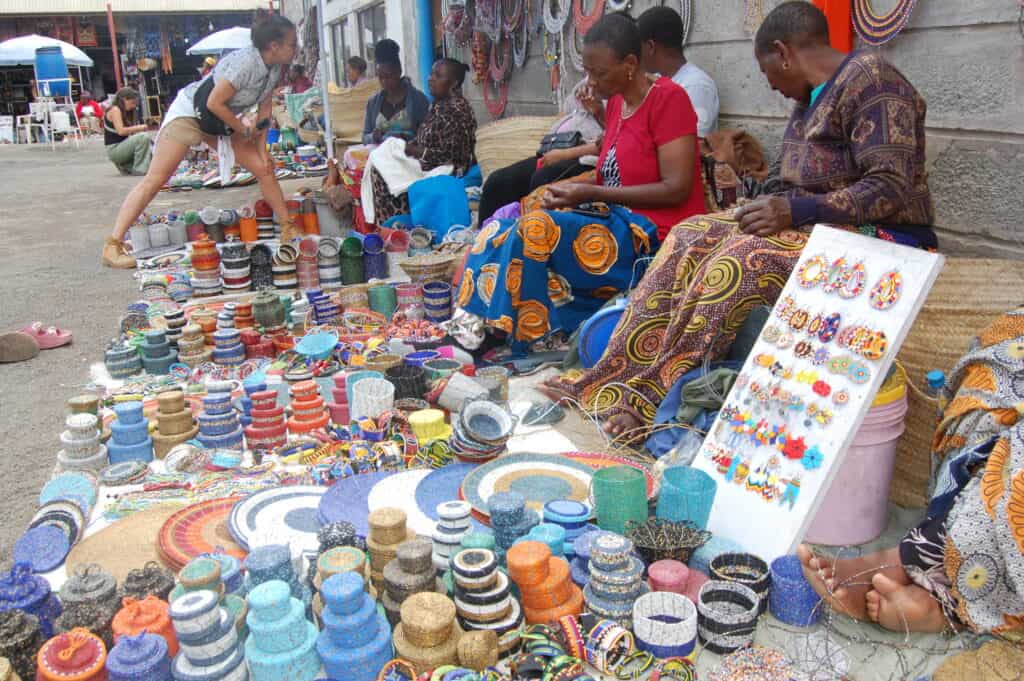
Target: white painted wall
x=399, y=22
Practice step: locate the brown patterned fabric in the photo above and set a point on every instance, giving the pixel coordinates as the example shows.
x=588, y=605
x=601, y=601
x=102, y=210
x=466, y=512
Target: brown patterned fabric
x=697, y=293
x=447, y=136
x=857, y=155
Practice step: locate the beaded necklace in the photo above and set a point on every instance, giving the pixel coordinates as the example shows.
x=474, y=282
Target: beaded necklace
x=877, y=29
x=554, y=23
x=584, y=22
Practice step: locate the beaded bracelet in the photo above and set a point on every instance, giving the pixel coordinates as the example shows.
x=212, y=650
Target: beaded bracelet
x=674, y=669
x=607, y=645
x=634, y=665
x=572, y=635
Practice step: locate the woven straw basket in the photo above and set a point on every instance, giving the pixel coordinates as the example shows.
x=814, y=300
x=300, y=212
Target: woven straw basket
x=967, y=296
x=348, y=111
x=510, y=140
x=430, y=267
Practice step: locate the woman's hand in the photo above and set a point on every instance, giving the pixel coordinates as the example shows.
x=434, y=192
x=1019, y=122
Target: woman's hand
x=554, y=156
x=765, y=216
x=377, y=136
x=567, y=195
x=414, y=150
x=592, y=103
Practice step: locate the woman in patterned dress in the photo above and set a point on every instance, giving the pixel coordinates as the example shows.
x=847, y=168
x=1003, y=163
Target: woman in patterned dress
x=853, y=155
x=446, y=136
x=963, y=564
x=543, y=274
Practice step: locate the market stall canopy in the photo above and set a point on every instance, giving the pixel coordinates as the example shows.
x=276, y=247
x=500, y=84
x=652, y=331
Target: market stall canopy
x=234, y=38
x=22, y=51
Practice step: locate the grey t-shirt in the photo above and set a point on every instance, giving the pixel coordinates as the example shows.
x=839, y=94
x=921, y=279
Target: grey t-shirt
x=253, y=80
x=245, y=70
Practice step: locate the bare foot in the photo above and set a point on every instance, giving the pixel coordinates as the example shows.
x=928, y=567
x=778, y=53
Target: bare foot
x=903, y=607
x=623, y=422
x=844, y=583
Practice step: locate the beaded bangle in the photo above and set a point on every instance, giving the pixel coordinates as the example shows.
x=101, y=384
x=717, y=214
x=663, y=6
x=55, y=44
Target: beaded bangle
x=572, y=635
x=607, y=645
x=674, y=669
x=634, y=665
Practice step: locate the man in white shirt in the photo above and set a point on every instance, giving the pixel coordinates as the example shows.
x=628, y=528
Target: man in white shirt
x=661, y=29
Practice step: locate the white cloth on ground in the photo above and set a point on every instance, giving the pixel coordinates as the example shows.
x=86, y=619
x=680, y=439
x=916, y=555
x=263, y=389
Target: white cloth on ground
x=398, y=171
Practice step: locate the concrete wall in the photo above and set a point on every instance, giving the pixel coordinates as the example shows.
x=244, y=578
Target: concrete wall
x=966, y=59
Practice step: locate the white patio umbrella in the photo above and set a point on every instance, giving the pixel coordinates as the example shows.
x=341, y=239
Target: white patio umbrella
x=22, y=51
x=234, y=38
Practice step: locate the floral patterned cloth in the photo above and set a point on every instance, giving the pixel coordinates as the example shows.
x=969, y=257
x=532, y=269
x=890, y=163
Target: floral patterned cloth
x=969, y=551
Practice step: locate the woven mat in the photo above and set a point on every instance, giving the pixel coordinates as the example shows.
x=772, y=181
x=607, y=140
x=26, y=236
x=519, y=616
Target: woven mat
x=967, y=296
x=124, y=545
x=994, y=661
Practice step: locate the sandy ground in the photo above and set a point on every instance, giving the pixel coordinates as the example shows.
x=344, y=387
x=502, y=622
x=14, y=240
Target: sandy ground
x=56, y=208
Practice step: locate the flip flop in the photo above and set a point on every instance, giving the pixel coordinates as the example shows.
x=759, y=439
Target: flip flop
x=17, y=347
x=47, y=337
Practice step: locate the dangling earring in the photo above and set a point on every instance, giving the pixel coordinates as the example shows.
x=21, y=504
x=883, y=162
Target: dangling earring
x=631, y=75
x=785, y=66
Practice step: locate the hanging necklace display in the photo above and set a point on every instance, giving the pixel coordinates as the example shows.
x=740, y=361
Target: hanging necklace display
x=753, y=15
x=458, y=25
x=499, y=68
x=510, y=20
x=584, y=22
x=878, y=29
x=480, y=58
x=572, y=47
x=555, y=22
x=551, y=58
x=488, y=19
x=495, y=108
x=520, y=39
x=686, y=12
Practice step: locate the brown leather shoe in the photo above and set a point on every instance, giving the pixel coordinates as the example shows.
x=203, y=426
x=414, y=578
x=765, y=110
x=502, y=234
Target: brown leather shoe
x=115, y=254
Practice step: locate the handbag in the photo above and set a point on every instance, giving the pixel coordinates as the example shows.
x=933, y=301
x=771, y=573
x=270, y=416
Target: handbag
x=208, y=121
x=559, y=140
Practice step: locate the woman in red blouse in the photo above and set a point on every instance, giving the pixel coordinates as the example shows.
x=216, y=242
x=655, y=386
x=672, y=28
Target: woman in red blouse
x=552, y=268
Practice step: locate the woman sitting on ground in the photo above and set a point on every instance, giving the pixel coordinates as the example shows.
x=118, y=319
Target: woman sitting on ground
x=540, y=276
x=963, y=565
x=244, y=79
x=127, y=143
x=399, y=108
x=853, y=155
x=447, y=136
x=511, y=183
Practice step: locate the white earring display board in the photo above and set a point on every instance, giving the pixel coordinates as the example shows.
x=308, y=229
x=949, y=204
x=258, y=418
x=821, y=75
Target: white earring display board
x=785, y=427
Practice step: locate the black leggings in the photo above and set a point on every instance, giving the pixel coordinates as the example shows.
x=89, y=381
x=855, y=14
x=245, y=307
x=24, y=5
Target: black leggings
x=512, y=183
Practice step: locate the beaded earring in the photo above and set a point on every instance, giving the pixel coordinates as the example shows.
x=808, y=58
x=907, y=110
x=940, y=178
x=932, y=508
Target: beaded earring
x=853, y=282
x=812, y=271
x=836, y=275
x=886, y=290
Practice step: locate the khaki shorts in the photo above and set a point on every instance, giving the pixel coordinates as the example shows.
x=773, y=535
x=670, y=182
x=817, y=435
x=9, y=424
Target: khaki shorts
x=184, y=130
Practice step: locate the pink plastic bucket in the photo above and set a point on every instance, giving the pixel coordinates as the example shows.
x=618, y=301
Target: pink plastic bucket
x=856, y=507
